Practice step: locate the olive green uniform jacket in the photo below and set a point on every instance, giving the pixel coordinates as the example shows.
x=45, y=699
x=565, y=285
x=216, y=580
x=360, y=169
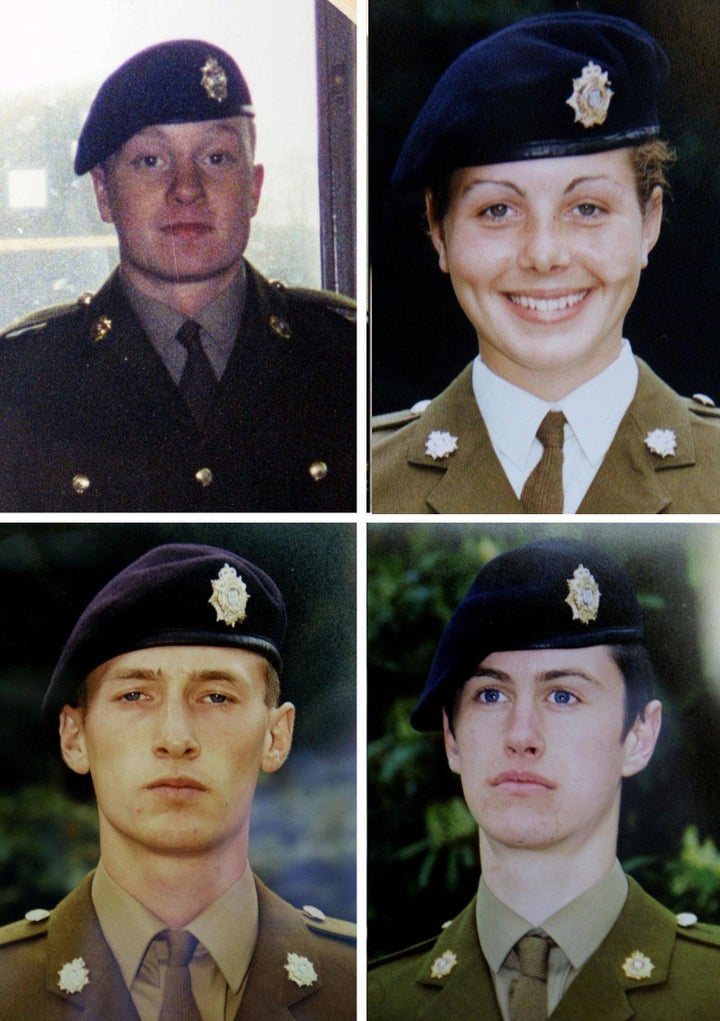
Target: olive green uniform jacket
x=684, y=984
x=32, y=954
x=91, y=420
x=631, y=479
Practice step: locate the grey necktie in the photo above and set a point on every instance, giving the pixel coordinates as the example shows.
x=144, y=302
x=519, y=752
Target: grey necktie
x=178, y=1001
x=543, y=491
x=528, y=994
x=198, y=382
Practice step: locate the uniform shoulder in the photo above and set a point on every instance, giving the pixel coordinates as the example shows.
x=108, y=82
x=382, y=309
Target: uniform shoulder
x=331, y=301
x=333, y=928
x=392, y=420
x=45, y=316
x=697, y=932
x=703, y=406
x=34, y=924
x=407, y=954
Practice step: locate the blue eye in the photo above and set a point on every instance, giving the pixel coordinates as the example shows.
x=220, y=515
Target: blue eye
x=562, y=697
x=490, y=696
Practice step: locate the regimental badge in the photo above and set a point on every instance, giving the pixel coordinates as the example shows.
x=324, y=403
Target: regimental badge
x=638, y=965
x=443, y=965
x=300, y=970
x=74, y=976
x=591, y=96
x=583, y=596
x=214, y=80
x=662, y=442
x=100, y=328
x=230, y=596
x=440, y=444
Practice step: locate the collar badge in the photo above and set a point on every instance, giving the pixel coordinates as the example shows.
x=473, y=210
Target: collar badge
x=662, y=442
x=230, y=596
x=300, y=970
x=100, y=328
x=591, y=96
x=443, y=965
x=74, y=976
x=637, y=965
x=214, y=80
x=583, y=596
x=440, y=444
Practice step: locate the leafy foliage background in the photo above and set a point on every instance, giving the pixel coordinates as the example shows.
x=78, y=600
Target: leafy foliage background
x=422, y=841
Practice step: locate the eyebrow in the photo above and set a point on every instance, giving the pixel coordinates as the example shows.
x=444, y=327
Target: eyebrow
x=575, y=183
x=148, y=674
x=542, y=677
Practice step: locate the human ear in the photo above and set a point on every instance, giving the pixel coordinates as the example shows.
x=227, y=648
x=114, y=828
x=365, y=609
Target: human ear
x=99, y=180
x=258, y=176
x=437, y=231
x=72, y=740
x=652, y=222
x=278, y=739
x=451, y=746
x=641, y=740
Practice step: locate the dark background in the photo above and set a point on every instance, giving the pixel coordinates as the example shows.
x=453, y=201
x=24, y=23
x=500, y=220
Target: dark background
x=420, y=337
x=422, y=843
x=303, y=832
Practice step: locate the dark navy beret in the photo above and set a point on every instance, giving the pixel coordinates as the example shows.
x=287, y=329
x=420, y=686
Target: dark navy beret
x=554, y=85
x=550, y=594
x=170, y=83
x=174, y=595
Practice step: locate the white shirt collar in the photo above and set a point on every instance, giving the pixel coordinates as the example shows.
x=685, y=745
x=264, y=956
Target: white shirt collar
x=593, y=411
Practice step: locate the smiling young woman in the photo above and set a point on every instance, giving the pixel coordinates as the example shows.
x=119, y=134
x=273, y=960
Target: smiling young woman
x=544, y=173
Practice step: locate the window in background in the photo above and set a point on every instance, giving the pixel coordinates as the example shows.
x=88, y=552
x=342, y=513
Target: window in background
x=53, y=245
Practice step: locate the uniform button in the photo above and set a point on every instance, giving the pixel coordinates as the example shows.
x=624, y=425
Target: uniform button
x=204, y=476
x=281, y=327
x=704, y=399
x=318, y=470
x=37, y=915
x=85, y=298
x=80, y=484
x=315, y=913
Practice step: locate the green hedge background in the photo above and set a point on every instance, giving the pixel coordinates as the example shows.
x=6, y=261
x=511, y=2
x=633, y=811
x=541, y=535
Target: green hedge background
x=422, y=841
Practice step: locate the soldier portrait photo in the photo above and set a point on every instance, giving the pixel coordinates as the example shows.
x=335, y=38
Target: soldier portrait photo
x=189, y=381
x=546, y=705
x=167, y=696
x=544, y=168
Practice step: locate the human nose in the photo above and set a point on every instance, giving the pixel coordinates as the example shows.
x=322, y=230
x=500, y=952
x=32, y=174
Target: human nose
x=186, y=184
x=544, y=245
x=175, y=735
x=524, y=734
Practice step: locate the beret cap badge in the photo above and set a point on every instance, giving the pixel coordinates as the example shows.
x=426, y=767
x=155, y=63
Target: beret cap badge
x=214, y=80
x=583, y=596
x=591, y=96
x=230, y=596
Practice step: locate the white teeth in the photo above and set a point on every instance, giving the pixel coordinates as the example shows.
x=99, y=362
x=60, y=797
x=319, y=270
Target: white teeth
x=548, y=304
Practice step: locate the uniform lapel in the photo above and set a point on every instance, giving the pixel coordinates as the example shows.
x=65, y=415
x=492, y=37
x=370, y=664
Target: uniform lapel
x=631, y=478
x=471, y=476
x=270, y=992
x=74, y=932
x=467, y=990
x=599, y=993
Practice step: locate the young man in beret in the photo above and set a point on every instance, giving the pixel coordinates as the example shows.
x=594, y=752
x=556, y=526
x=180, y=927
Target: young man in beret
x=188, y=382
x=166, y=694
x=543, y=688
x=544, y=174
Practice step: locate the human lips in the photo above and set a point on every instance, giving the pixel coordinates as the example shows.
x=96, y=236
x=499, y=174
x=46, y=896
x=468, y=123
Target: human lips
x=521, y=780
x=176, y=785
x=187, y=229
x=548, y=302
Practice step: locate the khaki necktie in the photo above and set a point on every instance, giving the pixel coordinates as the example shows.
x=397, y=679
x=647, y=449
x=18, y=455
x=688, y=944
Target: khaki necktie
x=543, y=491
x=528, y=994
x=198, y=381
x=178, y=1001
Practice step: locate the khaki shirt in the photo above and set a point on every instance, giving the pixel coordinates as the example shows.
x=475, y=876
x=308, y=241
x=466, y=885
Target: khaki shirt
x=499, y=929
x=219, y=966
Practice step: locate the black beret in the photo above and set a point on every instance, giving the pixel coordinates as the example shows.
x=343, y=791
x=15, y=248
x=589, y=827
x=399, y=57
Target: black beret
x=170, y=83
x=554, y=85
x=178, y=594
x=550, y=594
